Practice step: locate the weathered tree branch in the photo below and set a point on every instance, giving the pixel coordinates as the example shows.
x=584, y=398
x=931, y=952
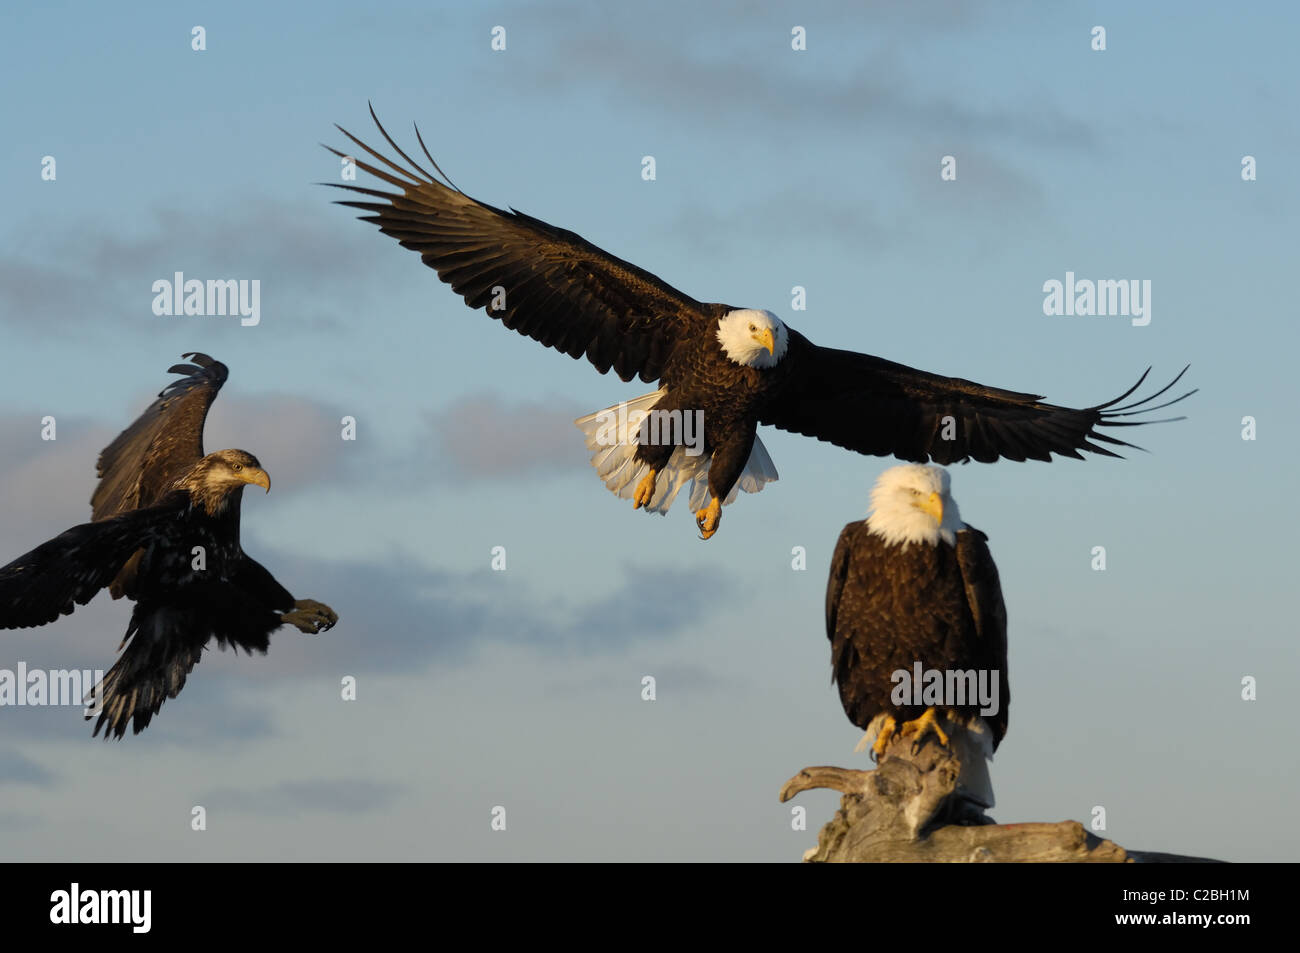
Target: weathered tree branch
x=911, y=809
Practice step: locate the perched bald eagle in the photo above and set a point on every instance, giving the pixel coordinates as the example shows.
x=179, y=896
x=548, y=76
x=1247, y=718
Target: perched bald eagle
x=165, y=534
x=722, y=370
x=915, y=617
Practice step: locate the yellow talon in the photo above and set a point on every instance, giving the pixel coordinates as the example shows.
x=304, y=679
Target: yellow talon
x=885, y=736
x=928, y=722
x=707, y=519
x=645, y=491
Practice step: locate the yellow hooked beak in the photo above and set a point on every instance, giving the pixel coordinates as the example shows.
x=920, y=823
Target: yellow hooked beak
x=932, y=505
x=764, y=337
x=256, y=477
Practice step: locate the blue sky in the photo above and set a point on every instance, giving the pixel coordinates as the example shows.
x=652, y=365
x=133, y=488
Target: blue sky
x=775, y=168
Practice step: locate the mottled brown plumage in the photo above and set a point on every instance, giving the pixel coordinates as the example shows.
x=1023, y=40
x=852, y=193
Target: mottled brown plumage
x=165, y=534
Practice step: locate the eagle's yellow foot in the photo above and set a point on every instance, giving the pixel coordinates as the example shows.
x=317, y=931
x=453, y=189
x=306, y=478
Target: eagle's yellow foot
x=645, y=491
x=707, y=519
x=310, y=616
x=887, y=730
x=928, y=722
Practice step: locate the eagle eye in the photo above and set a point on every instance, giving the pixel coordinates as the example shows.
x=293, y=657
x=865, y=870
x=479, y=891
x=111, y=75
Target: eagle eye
x=237, y=466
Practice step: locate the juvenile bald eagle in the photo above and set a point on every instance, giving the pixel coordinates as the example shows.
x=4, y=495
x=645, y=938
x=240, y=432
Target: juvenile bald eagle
x=165, y=534
x=729, y=368
x=914, y=591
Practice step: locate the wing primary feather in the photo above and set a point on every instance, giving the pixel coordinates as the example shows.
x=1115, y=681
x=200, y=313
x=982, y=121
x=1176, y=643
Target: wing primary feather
x=436, y=167
x=411, y=179
x=1148, y=398
x=1141, y=423
x=1125, y=395
x=388, y=177
x=384, y=132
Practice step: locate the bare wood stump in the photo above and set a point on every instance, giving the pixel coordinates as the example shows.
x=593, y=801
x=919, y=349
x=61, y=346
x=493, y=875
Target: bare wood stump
x=910, y=809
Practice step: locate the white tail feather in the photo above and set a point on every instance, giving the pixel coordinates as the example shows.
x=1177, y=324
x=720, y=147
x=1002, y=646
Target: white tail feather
x=974, y=748
x=612, y=434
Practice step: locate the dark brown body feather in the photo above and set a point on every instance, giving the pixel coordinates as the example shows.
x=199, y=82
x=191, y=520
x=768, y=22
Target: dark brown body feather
x=700, y=376
x=888, y=607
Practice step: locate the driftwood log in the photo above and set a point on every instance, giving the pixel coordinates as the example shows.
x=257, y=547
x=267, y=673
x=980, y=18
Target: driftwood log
x=911, y=809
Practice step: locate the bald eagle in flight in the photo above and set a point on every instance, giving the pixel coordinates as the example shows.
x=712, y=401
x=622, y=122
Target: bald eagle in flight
x=726, y=369
x=914, y=591
x=165, y=534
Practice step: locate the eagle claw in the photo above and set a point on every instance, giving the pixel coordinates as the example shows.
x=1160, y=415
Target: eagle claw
x=645, y=491
x=310, y=616
x=928, y=723
x=707, y=519
x=886, y=734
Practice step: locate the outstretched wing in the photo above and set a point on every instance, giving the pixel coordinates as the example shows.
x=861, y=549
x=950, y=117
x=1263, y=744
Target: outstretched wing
x=542, y=281
x=989, y=612
x=877, y=407
x=57, y=576
x=139, y=467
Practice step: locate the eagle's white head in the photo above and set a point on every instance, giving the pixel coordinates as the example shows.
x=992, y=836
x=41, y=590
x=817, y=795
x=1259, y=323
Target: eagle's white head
x=913, y=504
x=753, y=338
